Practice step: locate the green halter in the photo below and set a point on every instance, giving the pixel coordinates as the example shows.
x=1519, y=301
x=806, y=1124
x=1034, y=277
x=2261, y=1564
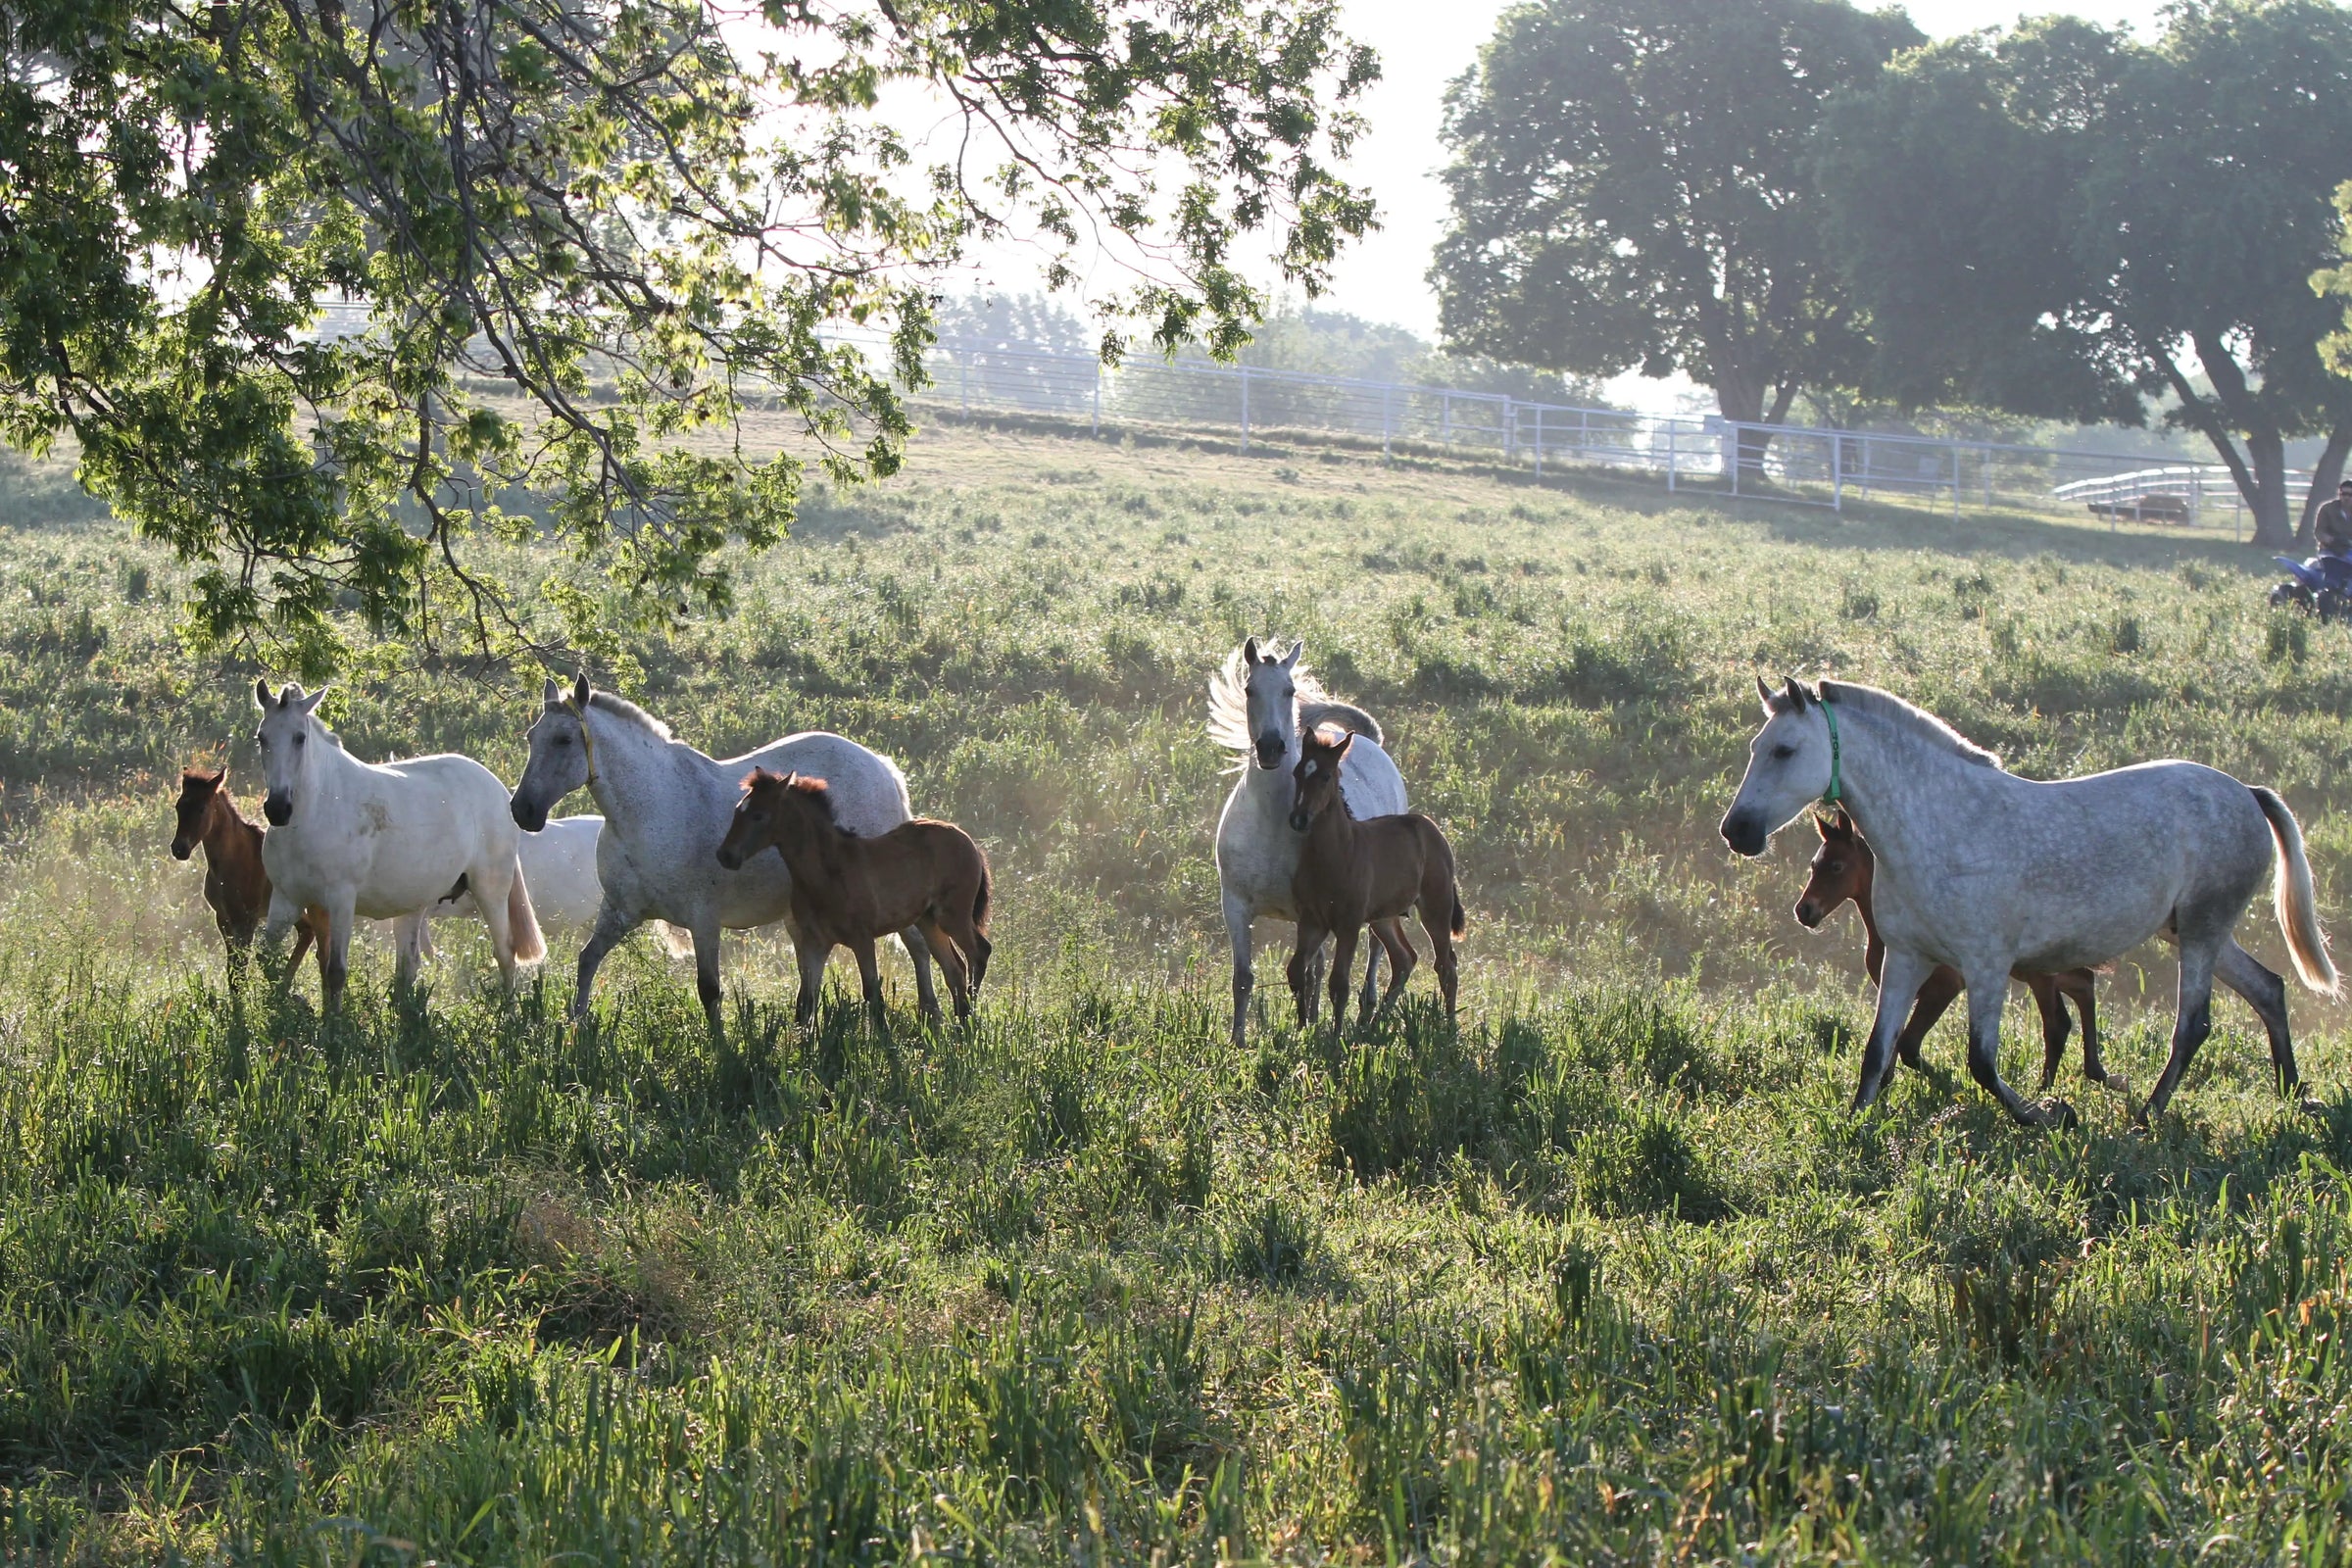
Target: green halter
x=1836, y=791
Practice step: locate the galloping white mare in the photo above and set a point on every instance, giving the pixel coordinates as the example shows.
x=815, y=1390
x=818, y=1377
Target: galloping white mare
x=364, y=840
x=1256, y=705
x=667, y=809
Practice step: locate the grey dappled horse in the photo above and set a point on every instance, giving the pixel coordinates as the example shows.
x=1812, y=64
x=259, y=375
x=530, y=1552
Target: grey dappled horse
x=1989, y=872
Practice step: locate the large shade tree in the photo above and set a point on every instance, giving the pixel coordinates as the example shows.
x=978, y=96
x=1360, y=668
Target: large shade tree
x=585, y=236
x=1631, y=189
x=2063, y=221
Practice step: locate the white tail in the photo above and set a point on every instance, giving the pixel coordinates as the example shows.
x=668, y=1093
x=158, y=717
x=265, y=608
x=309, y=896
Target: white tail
x=2298, y=907
x=522, y=922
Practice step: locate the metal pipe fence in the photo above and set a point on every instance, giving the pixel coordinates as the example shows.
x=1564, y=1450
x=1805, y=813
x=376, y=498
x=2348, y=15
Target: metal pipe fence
x=1805, y=464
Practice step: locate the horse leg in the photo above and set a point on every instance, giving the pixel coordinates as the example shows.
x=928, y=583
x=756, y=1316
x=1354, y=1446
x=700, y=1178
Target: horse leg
x=2192, y=1020
x=612, y=924
x=1237, y=928
x=705, y=935
x=1363, y=1013
x=2266, y=994
x=1300, y=971
x=918, y=948
x=869, y=976
x=1402, y=958
x=1900, y=975
x=811, y=954
x=408, y=943
x=1343, y=960
x=1933, y=998
x=2082, y=986
x=491, y=887
x=952, y=965
x=1986, y=997
x=1438, y=924
x=2055, y=1025
x=335, y=952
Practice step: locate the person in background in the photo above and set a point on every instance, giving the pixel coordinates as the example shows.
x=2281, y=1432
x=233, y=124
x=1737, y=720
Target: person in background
x=2333, y=528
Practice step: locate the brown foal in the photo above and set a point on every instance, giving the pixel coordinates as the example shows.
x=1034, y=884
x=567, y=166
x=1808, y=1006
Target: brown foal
x=234, y=883
x=1352, y=874
x=1842, y=868
x=850, y=891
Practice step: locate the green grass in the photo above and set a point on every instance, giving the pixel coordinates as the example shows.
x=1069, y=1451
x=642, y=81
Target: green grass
x=1611, y=1274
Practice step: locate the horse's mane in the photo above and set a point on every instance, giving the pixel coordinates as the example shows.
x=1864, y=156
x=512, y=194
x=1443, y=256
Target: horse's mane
x=816, y=789
x=1873, y=702
x=622, y=707
x=1229, y=701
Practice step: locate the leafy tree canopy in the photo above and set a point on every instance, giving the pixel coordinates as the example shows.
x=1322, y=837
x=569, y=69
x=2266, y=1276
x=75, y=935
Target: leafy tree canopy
x=1631, y=189
x=587, y=234
x=2063, y=222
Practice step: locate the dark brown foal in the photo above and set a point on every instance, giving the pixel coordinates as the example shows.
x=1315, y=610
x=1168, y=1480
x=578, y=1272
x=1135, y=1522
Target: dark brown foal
x=850, y=892
x=1352, y=874
x=1842, y=868
x=234, y=883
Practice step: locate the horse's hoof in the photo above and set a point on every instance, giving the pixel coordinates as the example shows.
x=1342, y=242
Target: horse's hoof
x=2312, y=1106
x=2058, y=1115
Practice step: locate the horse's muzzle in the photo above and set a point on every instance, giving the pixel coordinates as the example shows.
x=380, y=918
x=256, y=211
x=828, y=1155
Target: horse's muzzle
x=277, y=808
x=530, y=819
x=1809, y=915
x=1300, y=821
x=1745, y=833
x=181, y=848
x=1270, y=750
x=731, y=859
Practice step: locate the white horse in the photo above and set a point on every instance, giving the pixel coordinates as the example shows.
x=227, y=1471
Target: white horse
x=558, y=863
x=667, y=809
x=1989, y=872
x=383, y=841
x=1256, y=706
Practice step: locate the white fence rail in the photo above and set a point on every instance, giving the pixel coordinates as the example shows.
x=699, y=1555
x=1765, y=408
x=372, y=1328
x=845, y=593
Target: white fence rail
x=1803, y=463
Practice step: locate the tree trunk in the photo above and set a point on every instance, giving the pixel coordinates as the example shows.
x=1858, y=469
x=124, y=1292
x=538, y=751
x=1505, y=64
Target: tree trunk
x=2261, y=471
x=2268, y=500
x=1739, y=397
x=2324, y=475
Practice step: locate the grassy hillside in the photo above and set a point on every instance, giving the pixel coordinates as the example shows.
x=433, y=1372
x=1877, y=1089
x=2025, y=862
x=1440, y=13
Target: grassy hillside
x=1610, y=1273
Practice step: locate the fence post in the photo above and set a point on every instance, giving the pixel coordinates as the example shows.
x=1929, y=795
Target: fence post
x=1836, y=471
x=1510, y=430
x=1538, y=440
x=963, y=365
x=1955, y=481
x=1670, y=456
x=1733, y=432
x=1445, y=419
x=1245, y=407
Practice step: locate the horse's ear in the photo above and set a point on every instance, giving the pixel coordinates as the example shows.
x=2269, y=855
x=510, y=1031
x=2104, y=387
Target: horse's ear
x=1346, y=739
x=305, y=703
x=1825, y=827
x=581, y=692
x=1845, y=825
x=261, y=693
x=218, y=778
x=1290, y=660
x=1794, y=693
x=1764, y=694
x=549, y=692
x=1250, y=652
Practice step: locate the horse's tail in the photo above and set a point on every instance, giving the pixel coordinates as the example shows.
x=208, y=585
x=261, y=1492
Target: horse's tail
x=2298, y=908
x=522, y=921
x=1347, y=715
x=980, y=899
x=1460, y=924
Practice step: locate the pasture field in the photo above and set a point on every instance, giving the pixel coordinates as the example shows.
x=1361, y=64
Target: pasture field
x=1609, y=1275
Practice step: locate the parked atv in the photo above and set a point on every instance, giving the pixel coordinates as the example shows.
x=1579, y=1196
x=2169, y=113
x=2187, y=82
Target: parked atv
x=2321, y=586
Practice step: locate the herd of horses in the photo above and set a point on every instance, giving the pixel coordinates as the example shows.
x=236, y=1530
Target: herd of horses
x=1965, y=875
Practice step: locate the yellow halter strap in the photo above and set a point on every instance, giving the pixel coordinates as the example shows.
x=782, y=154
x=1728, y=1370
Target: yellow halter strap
x=579, y=711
